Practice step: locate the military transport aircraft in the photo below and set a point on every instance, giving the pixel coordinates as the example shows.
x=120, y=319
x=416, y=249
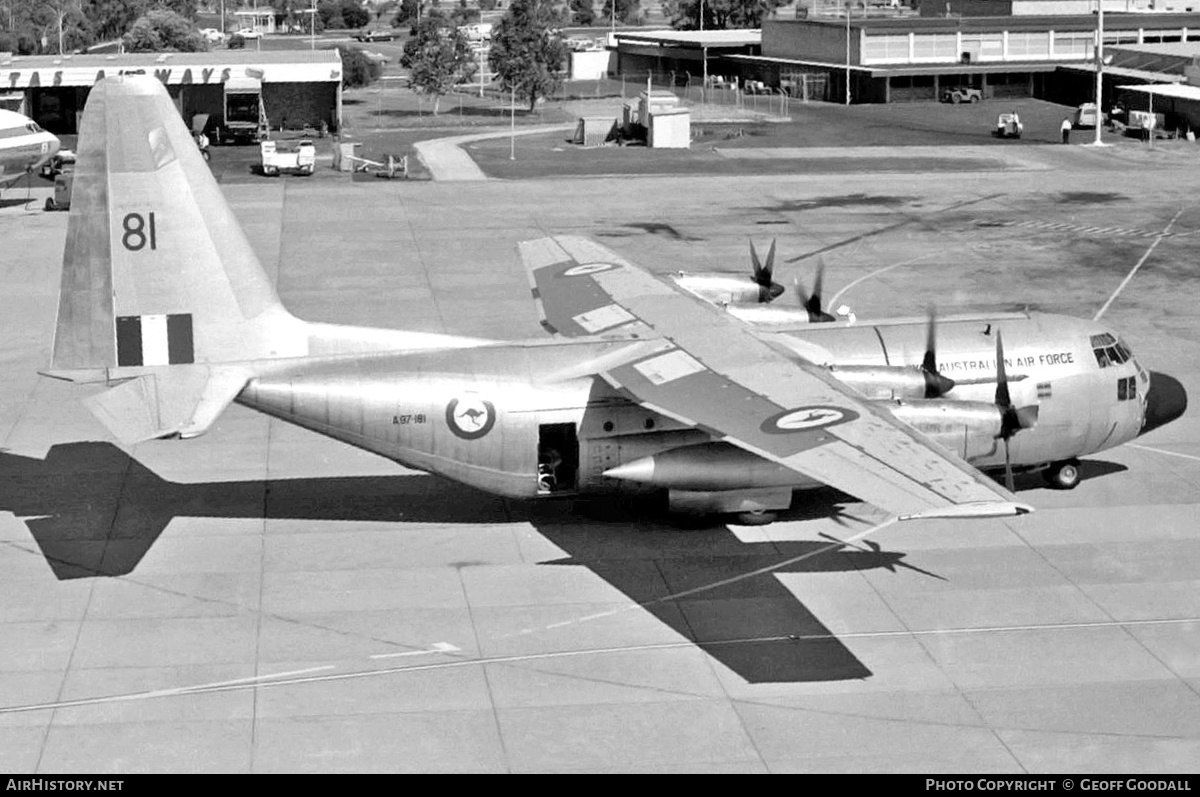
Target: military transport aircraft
x=24, y=146
x=643, y=388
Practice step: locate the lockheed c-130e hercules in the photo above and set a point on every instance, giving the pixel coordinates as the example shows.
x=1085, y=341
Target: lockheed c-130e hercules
x=642, y=388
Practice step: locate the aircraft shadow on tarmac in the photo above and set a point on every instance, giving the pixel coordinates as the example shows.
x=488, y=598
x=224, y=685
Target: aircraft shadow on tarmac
x=94, y=511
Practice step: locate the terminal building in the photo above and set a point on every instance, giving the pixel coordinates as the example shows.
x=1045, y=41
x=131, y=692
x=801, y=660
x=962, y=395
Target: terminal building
x=299, y=87
x=903, y=58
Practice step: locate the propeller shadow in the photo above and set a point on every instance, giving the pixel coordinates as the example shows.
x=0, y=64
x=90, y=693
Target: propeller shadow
x=95, y=512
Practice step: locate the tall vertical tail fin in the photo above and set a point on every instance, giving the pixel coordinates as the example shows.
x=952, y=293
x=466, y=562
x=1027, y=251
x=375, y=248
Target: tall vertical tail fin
x=157, y=270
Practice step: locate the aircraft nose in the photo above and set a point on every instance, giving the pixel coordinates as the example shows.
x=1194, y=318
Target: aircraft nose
x=1165, y=402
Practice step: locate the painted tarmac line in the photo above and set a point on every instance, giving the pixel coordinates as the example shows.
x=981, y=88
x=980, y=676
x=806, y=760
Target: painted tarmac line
x=1192, y=457
x=1157, y=240
x=235, y=683
x=438, y=647
x=308, y=676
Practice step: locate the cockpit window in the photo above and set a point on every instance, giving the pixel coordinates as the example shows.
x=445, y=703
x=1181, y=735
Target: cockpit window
x=1109, y=351
x=32, y=127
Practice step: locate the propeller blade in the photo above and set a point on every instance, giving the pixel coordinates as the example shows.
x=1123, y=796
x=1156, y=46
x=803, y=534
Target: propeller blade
x=1008, y=473
x=814, y=302
x=755, y=264
x=801, y=294
x=769, y=269
x=929, y=364
x=1003, y=398
x=936, y=385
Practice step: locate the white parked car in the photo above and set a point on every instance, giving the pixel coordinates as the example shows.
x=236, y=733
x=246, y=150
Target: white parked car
x=212, y=35
x=248, y=33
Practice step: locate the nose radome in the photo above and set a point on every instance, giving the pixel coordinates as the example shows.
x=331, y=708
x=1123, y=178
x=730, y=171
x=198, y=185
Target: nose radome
x=1165, y=402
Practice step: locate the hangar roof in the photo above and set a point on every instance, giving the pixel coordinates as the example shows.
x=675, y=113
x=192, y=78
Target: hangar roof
x=694, y=38
x=278, y=66
x=1068, y=22
x=1167, y=90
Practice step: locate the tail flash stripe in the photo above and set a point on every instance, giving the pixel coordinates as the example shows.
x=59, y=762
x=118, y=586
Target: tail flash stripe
x=154, y=340
x=129, y=340
x=144, y=340
x=179, y=339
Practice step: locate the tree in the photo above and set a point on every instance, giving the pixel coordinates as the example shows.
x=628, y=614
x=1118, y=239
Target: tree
x=721, y=14
x=437, y=58
x=354, y=14
x=628, y=11
x=524, y=54
x=464, y=14
x=408, y=13
x=162, y=30
x=342, y=14
x=582, y=12
x=358, y=69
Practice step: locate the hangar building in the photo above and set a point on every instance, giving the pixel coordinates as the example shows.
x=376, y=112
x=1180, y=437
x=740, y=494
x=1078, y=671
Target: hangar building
x=900, y=58
x=299, y=87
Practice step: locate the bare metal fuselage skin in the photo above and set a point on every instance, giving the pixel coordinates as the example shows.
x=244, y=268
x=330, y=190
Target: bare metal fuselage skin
x=482, y=415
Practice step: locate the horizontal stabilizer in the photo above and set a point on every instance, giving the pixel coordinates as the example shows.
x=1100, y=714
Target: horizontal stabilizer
x=182, y=400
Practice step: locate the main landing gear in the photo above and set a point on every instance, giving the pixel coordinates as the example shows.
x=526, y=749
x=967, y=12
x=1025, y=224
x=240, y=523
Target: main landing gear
x=1062, y=475
x=760, y=517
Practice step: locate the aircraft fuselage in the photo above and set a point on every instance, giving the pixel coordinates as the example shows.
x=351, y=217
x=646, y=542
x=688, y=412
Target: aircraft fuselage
x=510, y=419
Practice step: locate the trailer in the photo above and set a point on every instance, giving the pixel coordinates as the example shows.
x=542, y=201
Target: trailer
x=298, y=159
x=245, y=116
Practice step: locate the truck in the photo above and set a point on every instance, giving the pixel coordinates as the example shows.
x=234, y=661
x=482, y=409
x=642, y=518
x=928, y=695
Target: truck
x=245, y=117
x=1085, y=115
x=300, y=158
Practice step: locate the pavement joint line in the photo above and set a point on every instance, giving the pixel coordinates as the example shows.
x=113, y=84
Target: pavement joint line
x=309, y=675
x=715, y=584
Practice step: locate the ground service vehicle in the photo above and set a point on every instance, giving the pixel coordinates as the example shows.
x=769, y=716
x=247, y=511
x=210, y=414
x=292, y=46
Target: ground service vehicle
x=245, y=118
x=298, y=159
x=375, y=35
x=1085, y=115
x=960, y=94
x=1008, y=125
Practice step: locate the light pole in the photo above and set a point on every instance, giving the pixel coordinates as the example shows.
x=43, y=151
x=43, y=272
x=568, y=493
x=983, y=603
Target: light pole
x=703, y=57
x=847, y=52
x=1099, y=66
x=512, y=110
x=312, y=26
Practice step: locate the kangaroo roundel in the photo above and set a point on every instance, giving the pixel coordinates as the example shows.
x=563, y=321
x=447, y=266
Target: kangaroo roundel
x=802, y=419
x=470, y=417
x=588, y=268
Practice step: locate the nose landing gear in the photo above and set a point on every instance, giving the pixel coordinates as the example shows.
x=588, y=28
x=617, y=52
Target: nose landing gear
x=1062, y=475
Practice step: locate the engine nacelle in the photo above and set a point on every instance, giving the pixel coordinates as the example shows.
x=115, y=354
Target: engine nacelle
x=892, y=381
x=968, y=428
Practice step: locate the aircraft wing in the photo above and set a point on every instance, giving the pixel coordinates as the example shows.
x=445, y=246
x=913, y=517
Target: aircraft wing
x=721, y=378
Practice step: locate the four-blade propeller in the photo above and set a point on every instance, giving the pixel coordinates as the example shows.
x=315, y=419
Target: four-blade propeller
x=768, y=289
x=812, y=302
x=1012, y=419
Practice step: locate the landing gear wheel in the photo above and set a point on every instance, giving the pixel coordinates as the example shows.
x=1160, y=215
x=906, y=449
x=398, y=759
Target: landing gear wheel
x=1062, y=475
x=761, y=517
